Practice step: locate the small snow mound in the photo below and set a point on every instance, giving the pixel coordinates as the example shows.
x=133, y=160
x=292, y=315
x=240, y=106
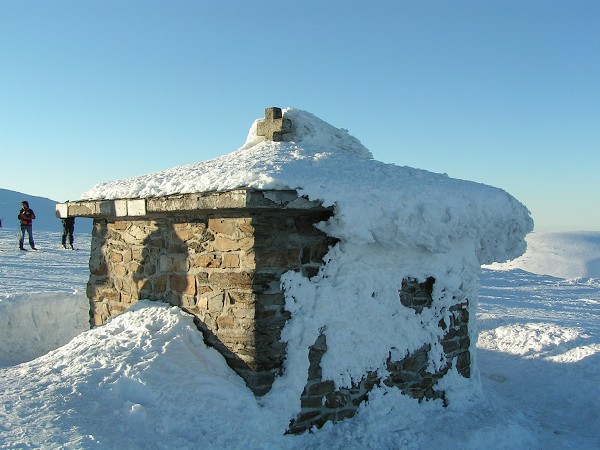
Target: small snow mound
x=531, y=340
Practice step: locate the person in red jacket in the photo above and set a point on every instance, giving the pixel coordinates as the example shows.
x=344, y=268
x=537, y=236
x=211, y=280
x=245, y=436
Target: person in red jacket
x=26, y=216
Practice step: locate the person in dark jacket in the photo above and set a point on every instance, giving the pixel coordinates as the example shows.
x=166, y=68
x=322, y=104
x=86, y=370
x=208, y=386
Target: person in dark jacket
x=26, y=216
x=68, y=224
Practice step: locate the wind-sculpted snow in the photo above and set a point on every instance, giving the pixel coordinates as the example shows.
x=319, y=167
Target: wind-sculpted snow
x=374, y=202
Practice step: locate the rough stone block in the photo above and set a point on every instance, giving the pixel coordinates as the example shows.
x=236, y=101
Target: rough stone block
x=120, y=271
x=184, y=234
x=230, y=260
x=215, y=302
x=173, y=264
x=206, y=260
x=230, y=227
x=225, y=244
x=183, y=284
x=231, y=280
x=279, y=258
x=115, y=257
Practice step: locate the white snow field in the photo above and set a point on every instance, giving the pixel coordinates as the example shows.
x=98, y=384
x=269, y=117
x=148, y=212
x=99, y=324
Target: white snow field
x=146, y=379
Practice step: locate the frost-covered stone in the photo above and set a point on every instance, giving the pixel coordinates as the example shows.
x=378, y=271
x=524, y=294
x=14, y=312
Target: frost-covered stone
x=390, y=303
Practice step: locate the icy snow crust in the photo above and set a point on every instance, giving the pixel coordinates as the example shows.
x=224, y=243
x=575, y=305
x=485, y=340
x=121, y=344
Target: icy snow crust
x=393, y=222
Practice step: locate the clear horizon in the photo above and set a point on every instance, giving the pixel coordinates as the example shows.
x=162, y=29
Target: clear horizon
x=504, y=94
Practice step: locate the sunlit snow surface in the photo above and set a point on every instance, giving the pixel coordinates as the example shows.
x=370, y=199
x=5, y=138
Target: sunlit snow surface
x=33, y=324
x=146, y=380
x=65, y=270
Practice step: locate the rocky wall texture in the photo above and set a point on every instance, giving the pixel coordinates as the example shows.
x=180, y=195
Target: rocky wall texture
x=322, y=402
x=224, y=269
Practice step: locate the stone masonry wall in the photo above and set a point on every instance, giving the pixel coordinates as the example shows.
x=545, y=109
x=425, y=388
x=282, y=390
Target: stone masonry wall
x=222, y=268
x=220, y=256
x=321, y=402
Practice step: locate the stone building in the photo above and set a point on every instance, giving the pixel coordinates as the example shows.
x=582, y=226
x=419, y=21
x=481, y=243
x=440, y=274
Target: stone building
x=217, y=255
x=220, y=256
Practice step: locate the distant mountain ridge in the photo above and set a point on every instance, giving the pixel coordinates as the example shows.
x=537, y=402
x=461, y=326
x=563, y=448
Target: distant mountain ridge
x=44, y=208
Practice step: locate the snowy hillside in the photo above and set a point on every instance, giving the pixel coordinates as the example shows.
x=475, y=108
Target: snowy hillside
x=146, y=380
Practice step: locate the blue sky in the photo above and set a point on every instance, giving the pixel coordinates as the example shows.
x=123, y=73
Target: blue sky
x=505, y=93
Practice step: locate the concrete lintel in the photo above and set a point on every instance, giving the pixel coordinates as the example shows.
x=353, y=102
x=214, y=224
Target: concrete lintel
x=130, y=207
x=105, y=207
x=120, y=208
x=61, y=210
x=238, y=199
x=198, y=202
x=136, y=207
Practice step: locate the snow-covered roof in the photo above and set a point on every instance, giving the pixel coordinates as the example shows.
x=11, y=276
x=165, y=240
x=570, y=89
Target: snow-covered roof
x=374, y=202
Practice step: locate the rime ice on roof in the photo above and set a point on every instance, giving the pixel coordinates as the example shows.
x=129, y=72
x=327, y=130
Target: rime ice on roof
x=375, y=202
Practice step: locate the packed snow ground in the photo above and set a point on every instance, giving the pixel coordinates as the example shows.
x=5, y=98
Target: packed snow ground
x=146, y=380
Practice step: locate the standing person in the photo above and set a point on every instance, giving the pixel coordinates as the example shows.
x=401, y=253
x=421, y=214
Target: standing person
x=26, y=216
x=68, y=224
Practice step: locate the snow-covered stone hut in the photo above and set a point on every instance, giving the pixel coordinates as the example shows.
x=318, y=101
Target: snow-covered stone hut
x=318, y=273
